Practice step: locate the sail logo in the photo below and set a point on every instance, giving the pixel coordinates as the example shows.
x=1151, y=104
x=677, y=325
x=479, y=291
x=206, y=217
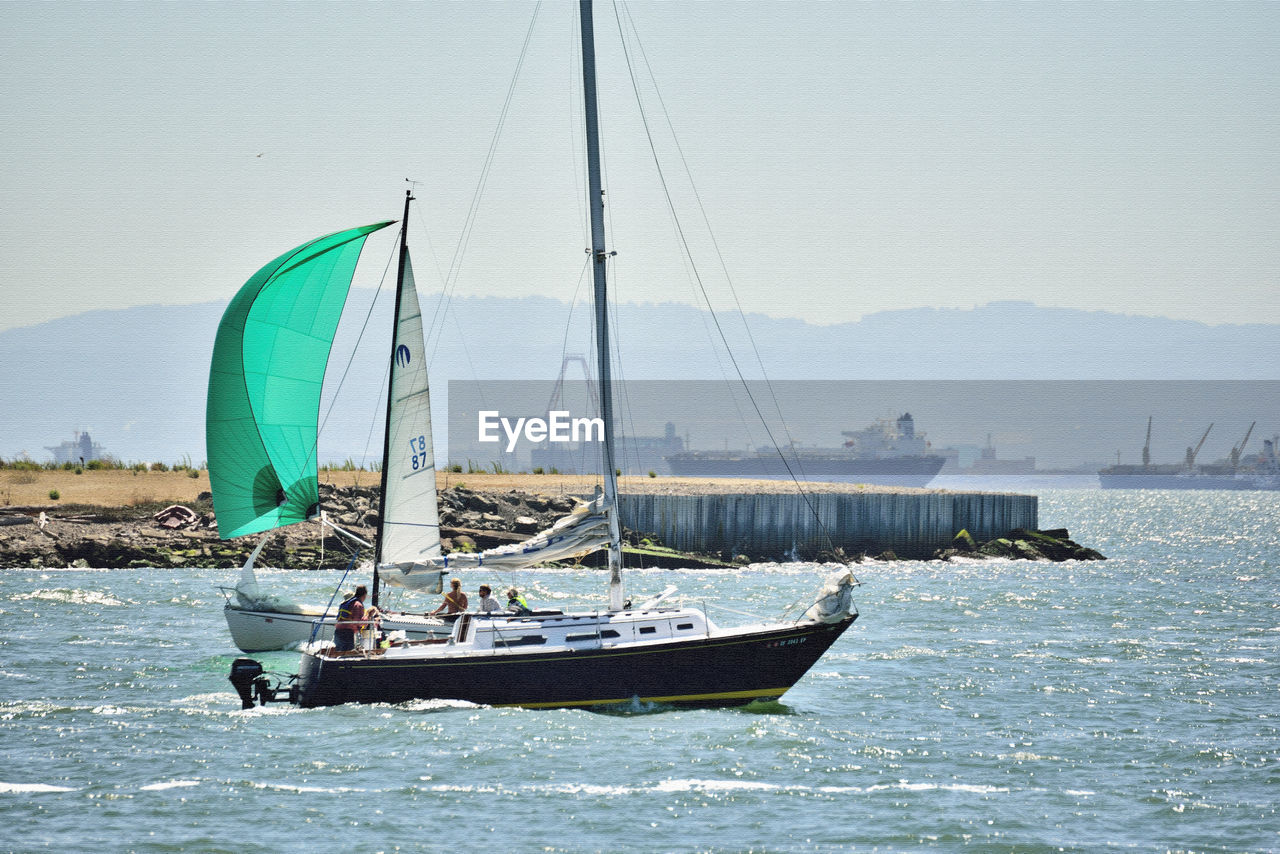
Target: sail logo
x=403, y=356
x=558, y=426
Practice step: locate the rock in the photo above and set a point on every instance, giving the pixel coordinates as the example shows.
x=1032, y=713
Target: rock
x=1053, y=547
x=1025, y=550
x=481, y=503
x=963, y=542
x=999, y=547
x=492, y=518
x=526, y=525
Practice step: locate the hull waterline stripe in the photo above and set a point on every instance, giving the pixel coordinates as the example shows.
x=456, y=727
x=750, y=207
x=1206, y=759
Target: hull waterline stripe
x=675, y=698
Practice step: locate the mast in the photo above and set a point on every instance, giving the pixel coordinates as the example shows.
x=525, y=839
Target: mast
x=595, y=199
x=386, y=435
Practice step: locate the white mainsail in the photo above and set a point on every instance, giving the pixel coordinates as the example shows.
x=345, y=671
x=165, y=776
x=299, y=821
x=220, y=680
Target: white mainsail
x=584, y=530
x=410, y=516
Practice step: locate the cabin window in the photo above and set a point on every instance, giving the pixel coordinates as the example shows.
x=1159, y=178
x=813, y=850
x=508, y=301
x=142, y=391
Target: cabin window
x=648, y=630
x=683, y=626
x=579, y=638
x=523, y=640
x=609, y=633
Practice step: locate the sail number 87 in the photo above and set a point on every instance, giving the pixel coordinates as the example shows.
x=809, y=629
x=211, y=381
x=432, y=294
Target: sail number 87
x=418, y=451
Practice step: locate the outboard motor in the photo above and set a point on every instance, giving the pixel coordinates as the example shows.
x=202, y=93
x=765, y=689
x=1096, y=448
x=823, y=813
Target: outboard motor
x=244, y=672
x=253, y=684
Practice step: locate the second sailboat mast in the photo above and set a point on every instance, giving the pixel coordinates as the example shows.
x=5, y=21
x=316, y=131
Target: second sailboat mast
x=595, y=198
x=386, y=436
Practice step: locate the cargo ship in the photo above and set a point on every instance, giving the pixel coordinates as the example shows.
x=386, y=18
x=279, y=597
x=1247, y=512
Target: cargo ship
x=888, y=452
x=1235, y=472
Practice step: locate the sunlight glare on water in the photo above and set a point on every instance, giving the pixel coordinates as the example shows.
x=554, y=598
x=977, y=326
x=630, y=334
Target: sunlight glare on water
x=1006, y=705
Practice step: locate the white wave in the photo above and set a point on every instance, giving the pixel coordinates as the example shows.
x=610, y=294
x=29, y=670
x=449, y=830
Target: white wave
x=38, y=708
x=210, y=699
x=31, y=788
x=171, y=784
x=71, y=597
x=8, y=674
x=590, y=789
x=435, y=705
x=314, y=790
x=906, y=786
x=713, y=785
x=1023, y=756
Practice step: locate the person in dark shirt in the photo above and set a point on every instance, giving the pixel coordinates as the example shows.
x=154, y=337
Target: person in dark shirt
x=351, y=619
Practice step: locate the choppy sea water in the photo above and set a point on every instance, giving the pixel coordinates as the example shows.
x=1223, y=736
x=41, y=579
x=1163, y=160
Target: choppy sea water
x=996, y=706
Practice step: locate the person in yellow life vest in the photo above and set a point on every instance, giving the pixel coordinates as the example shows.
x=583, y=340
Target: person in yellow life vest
x=351, y=619
x=516, y=603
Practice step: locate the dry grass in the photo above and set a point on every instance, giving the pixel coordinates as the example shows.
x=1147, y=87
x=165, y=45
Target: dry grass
x=127, y=488
x=100, y=488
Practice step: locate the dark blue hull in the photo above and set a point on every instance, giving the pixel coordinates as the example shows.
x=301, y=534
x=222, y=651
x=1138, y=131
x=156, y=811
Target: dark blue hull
x=725, y=671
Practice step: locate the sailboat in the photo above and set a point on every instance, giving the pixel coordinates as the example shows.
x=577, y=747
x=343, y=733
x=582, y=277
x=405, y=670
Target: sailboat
x=617, y=654
x=262, y=417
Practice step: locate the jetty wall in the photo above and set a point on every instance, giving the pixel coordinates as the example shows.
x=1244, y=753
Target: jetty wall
x=912, y=525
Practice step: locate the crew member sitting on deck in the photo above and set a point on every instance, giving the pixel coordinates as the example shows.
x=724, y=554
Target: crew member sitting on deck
x=487, y=602
x=516, y=603
x=352, y=618
x=455, y=601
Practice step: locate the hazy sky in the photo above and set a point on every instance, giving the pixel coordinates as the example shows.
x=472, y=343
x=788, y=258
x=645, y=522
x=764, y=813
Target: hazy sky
x=851, y=157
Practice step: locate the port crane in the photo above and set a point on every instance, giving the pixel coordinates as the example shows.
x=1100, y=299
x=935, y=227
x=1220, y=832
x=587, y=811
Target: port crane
x=1191, y=455
x=1237, y=450
x=1146, y=446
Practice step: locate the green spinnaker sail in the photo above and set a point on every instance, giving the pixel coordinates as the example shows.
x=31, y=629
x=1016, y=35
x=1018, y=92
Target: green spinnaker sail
x=264, y=384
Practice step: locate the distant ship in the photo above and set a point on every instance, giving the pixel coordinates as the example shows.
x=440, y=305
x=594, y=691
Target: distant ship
x=888, y=452
x=1235, y=472
x=82, y=449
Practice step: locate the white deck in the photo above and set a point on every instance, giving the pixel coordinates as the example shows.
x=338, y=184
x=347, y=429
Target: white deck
x=505, y=634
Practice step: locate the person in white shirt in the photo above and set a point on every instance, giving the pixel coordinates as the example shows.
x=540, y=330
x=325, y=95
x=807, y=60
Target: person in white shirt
x=487, y=603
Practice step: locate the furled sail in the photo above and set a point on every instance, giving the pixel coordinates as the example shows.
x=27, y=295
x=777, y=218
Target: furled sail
x=410, y=516
x=268, y=368
x=584, y=530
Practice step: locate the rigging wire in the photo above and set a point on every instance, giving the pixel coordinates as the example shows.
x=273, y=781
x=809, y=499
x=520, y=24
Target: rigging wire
x=706, y=220
x=455, y=265
x=351, y=356
x=702, y=288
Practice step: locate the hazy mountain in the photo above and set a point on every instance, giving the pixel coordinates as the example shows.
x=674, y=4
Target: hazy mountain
x=135, y=378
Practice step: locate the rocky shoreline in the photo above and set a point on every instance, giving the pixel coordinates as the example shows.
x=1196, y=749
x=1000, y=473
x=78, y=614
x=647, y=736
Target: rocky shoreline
x=172, y=536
